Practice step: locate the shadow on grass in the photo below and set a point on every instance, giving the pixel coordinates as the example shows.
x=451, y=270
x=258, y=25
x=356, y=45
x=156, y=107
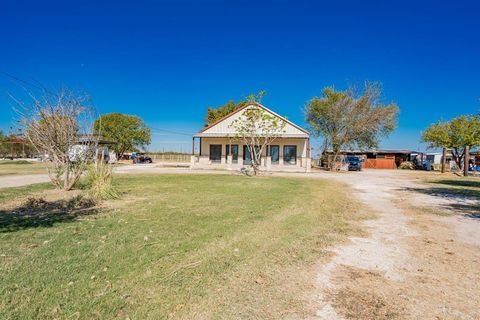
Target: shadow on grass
x=36, y=212
x=459, y=183
x=465, y=201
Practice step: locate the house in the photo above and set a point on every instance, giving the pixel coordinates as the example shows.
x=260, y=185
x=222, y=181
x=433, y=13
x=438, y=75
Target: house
x=218, y=147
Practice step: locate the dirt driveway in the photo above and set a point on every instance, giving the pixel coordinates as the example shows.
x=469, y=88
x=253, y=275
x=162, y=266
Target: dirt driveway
x=413, y=264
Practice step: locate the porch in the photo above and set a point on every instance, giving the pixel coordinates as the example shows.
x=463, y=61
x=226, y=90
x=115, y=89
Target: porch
x=284, y=154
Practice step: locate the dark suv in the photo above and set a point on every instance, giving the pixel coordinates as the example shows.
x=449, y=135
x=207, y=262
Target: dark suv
x=140, y=158
x=354, y=163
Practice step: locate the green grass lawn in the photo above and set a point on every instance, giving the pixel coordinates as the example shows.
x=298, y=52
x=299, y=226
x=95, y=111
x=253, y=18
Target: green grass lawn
x=15, y=167
x=173, y=246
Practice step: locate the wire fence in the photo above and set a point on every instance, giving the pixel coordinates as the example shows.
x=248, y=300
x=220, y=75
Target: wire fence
x=170, y=157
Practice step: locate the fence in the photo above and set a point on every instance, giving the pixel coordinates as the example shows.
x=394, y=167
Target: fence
x=380, y=164
x=170, y=157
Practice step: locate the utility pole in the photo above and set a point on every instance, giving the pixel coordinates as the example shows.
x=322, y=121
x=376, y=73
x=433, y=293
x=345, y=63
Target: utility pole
x=466, y=159
x=444, y=159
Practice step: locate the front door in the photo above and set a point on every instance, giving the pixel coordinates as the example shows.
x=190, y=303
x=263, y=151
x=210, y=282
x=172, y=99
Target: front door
x=275, y=154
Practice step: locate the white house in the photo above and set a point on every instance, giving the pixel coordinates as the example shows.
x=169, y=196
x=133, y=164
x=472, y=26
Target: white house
x=218, y=147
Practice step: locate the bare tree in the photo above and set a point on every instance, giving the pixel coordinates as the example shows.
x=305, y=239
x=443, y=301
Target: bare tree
x=59, y=125
x=257, y=129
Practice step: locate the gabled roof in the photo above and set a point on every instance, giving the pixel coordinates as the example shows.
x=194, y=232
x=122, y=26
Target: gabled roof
x=204, y=132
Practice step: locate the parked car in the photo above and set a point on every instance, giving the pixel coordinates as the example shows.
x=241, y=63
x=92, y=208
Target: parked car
x=354, y=163
x=140, y=158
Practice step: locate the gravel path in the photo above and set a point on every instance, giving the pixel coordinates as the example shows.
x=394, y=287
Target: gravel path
x=22, y=180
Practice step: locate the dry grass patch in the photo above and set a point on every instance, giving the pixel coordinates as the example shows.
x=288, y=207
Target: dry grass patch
x=15, y=167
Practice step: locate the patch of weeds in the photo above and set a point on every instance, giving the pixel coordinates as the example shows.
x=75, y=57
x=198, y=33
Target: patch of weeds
x=435, y=211
x=364, y=305
x=99, y=182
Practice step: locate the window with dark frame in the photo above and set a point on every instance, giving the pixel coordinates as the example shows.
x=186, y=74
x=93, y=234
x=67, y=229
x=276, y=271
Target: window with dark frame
x=290, y=155
x=216, y=152
x=247, y=159
x=275, y=154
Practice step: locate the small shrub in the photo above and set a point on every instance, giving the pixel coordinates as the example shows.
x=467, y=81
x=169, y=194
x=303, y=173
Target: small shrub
x=406, y=165
x=33, y=202
x=99, y=181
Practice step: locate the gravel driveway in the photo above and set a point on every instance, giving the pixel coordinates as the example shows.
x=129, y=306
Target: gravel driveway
x=412, y=265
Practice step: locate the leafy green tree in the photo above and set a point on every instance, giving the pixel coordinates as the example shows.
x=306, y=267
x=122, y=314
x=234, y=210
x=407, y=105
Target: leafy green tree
x=129, y=132
x=215, y=114
x=458, y=134
x=348, y=120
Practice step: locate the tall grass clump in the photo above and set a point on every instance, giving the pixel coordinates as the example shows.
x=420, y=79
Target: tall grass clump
x=99, y=181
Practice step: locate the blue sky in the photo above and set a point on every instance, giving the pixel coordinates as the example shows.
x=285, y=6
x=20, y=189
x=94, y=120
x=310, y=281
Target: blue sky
x=167, y=61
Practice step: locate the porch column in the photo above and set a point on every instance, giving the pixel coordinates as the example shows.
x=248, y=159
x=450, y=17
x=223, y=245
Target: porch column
x=192, y=157
x=309, y=159
x=240, y=154
x=280, y=154
x=222, y=155
x=268, y=163
x=229, y=154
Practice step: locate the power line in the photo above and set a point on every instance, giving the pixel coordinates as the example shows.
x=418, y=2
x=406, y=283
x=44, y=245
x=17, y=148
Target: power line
x=172, y=131
x=8, y=75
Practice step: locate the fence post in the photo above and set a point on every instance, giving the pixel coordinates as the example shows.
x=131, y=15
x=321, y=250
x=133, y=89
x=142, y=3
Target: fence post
x=466, y=158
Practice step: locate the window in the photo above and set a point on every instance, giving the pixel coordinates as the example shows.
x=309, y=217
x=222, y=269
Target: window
x=247, y=159
x=234, y=152
x=275, y=154
x=215, y=152
x=290, y=155
x=431, y=158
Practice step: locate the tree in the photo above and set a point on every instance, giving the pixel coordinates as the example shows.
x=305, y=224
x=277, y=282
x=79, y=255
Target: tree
x=438, y=137
x=55, y=124
x=257, y=129
x=215, y=114
x=3, y=147
x=348, y=120
x=458, y=135
x=129, y=132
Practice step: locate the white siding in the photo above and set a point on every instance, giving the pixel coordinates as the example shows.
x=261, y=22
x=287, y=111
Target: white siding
x=224, y=127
